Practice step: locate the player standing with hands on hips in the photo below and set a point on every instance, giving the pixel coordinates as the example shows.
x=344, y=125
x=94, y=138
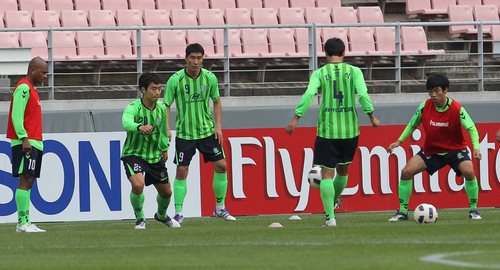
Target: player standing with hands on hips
x=145, y=150
x=338, y=126
x=442, y=119
x=192, y=88
x=25, y=132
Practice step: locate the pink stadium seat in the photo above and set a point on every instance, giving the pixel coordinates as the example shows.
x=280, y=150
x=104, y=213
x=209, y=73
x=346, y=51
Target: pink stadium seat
x=495, y=3
x=87, y=5
x=361, y=41
x=117, y=45
x=470, y=3
x=276, y=4
x=385, y=40
x=234, y=43
x=222, y=4
x=63, y=46
x=195, y=4
x=30, y=5
x=301, y=36
x=1, y=23
x=58, y=5
x=254, y=44
x=343, y=15
x=249, y=4
x=263, y=16
x=73, y=18
x=291, y=16
x=150, y=44
x=185, y=17
x=17, y=19
x=114, y=5
x=282, y=41
x=7, y=5
x=485, y=13
x=173, y=44
x=168, y=4
x=329, y=4
x=8, y=40
x=210, y=17
x=418, y=7
x=128, y=17
x=370, y=15
x=317, y=15
x=89, y=45
x=101, y=18
x=156, y=17
x=441, y=6
x=461, y=13
x=141, y=5
x=337, y=32
x=302, y=4
x=235, y=16
x=495, y=37
x=203, y=37
x=45, y=18
x=36, y=41
x=414, y=42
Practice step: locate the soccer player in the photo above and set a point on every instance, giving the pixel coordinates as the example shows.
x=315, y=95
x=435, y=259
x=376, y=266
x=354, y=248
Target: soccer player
x=338, y=126
x=192, y=88
x=25, y=131
x=145, y=150
x=442, y=119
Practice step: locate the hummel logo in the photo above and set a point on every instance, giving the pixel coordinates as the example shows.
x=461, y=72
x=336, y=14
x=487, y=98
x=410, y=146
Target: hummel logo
x=462, y=115
x=24, y=93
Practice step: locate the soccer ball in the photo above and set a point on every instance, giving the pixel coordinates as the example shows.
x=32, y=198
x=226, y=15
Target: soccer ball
x=314, y=177
x=425, y=213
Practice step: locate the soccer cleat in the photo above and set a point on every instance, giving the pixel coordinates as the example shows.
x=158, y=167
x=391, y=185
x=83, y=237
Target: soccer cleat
x=474, y=214
x=179, y=218
x=337, y=205
x=140, y=224
x=331, y=222
x=223, y=213
x=399, y=216
x=28, y=228
x=172, y=223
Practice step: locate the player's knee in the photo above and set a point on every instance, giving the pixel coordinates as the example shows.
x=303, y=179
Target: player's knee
x=406, y=174
x=220, y=167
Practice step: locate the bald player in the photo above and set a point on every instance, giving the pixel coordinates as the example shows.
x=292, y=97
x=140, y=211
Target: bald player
x=25, y=132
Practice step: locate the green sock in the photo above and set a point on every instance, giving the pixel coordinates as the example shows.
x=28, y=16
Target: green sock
x=180, y=190
x=137, y=203
x=220, y=187
x=405, y=189
x=22, y=198
x=162, y=206
x=472, y=190
x=339, y=183
x=327, y=195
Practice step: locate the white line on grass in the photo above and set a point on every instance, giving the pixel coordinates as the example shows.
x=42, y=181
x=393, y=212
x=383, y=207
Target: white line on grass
x=440, y=258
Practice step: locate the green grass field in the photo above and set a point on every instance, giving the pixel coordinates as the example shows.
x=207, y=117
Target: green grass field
x=360, y=241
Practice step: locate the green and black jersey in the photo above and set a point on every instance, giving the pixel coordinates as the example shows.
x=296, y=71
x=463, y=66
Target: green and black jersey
x=192, y=97
x=339, y=83
x=147, y=146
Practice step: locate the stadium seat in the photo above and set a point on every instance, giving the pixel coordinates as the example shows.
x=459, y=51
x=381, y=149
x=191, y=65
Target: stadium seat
x=461, y=13
x=102, y=18
x=8, y=40
x=424, y=7
x=470, y=3
x=150, y=45
x=361, y=42
x=156, y=17
x=172, y=44
x=210, y=17
x=203, y=37
x=385, y=40
x=235, y=16
x=276, y=4
x=485, y=13
x=343, y=15
x=317, y=15
x=441, y=6
x=183, y=17
x=195, y=4
x=302, y=4
x=45, y=18
x=282, y=41
x=30, y=5
x=495, y=3
x=301, y=36
x=290, y=16
x=141, y=5
x=249, y=4
x=2, y=25
x=168, y=4
x=222, y=4
x=7, y=5
x=36, y=41
x=254, y=44
x=73, y=18
x=414, y=42
x=64, y=47
x=87, y=5
x=329, y=4
x=17, y=19
x=128, y=17
x=117, y=45
x=58, y=5
x=495, y=38
x=337, y=32
x=263, y=16
x=114, y=5
x=234, y=43
x=370, y=15
x=89, y=45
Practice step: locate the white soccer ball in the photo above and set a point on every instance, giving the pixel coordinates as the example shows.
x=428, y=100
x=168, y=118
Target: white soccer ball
x=314, y=177
x=425, y=213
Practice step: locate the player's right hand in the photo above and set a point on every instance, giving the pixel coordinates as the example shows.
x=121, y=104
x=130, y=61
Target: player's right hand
x=393, y=145
x=146, y=128
x=26, y=146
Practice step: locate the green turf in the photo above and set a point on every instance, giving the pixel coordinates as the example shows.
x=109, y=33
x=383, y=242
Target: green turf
x=360, y=241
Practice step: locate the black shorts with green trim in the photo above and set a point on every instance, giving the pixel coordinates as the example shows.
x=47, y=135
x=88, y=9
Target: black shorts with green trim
x=155, y=173
x=330, y=152
x=209, y=147
x=25, y=163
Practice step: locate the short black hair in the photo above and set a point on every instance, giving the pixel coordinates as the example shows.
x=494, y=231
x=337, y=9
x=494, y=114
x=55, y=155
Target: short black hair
x=334, y=47
x=437, y=80
x=147, y=78
x=194, y=48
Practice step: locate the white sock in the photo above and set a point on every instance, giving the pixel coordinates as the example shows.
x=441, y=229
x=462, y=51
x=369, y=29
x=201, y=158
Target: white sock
x=220, y=207
x=180, y=213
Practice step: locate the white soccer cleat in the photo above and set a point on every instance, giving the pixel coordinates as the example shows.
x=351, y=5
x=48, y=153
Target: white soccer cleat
x=474, y=214
x=28, y=228
x=337, y=205
x=330, y=223
x=172, y=223
x=140, y=224
x=223, y=213
x=36, y=228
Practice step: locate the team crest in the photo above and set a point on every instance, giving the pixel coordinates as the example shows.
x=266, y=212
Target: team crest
x=158, y=121
x=216, y=150
x=203, y=88
x=460, y=156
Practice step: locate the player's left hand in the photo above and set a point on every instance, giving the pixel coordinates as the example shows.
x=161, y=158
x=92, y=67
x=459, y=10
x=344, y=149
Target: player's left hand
x=375, y=122
x=291, y=126
x=218, y=135
x=165, y=156
x=477, y=154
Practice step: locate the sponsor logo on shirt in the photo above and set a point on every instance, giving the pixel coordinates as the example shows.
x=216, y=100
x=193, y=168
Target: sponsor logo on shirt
x=439, y=124
x=348, y=109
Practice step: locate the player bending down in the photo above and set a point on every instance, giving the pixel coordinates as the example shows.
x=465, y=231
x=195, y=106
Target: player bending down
x=442, y=119
x=145, y=150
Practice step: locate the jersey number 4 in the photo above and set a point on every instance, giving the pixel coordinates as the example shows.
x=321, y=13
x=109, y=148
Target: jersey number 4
x=337, y=94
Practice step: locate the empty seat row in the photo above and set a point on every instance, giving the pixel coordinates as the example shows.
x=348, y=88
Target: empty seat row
x=440, y=7
x=464, y=13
